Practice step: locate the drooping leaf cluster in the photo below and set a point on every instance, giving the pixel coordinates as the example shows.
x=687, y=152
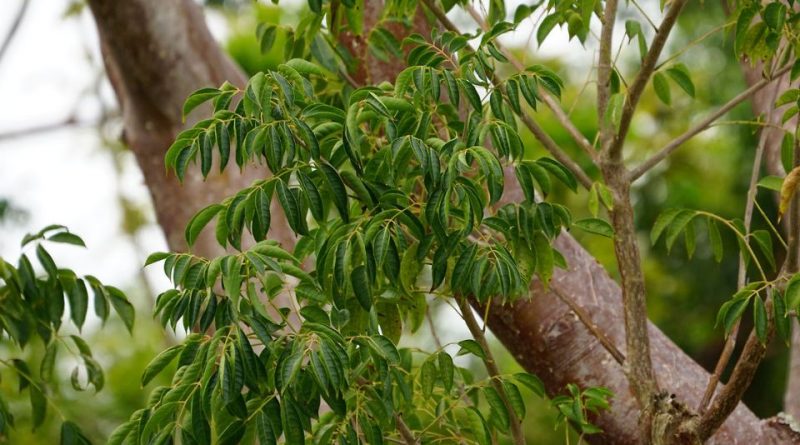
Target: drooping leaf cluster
x=34, y=306
x=396, y=195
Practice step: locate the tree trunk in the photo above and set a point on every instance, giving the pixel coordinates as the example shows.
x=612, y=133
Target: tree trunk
x=158, y=52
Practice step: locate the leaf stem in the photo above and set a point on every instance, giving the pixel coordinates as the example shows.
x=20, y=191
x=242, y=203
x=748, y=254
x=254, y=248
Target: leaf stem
x=491, y=367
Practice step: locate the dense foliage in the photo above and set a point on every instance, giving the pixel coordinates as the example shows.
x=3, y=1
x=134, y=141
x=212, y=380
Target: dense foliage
x=397, y=195
x=33, y=309
x=397, y=199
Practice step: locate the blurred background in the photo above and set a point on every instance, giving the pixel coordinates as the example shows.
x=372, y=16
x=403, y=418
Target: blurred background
x=61, y=162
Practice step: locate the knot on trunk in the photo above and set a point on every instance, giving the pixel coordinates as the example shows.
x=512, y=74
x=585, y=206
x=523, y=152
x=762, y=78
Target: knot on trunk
x=673, y=423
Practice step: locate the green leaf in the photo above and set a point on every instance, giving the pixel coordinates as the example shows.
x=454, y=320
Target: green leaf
x=547, y=24
x=500, y=413
x=732, y=311
x=48, y=362
x=38, y=405
x=595, y=225
x=197, y=98
x=782, y=321
x=793, y=293
x=661, y=86
x=337, y=188
x=515, y=399
x=471, y=347
x=122, y=306
x=446, y=369
x=427, y=377
x=764, y=243
x=78, y=302
x=361, y=287
x=156, y=257
x=677, y=226
x=477, y=424
x=67, y=238
x=773, y=183
x=663, y=220
x=716, y=239
x=387, y=349
x=71, y=435
x=775, y=15
x=292, y=423
x=199, y=221
x=306, y=68
x=544, y=258
x=680, y=75
x=160, y=362
x=531, y=382
x=560, y=172
x=47, y=261
x=760, y=319
x=232, y=434
x=613, y=114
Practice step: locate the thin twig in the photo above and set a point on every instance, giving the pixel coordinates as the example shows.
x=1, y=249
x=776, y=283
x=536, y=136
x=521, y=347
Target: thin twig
x=646, y=70
x=491, y=367
x=704, y=124
x=405, y=431
x=432, y=326
x=743, y=373
x=12, y=31
x=44, y=128
x=604, y=71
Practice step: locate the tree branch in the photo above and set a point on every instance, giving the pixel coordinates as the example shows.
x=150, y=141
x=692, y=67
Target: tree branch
x=44, y=128
x=491, y=367
x=730, y=395
x=752, y=189
x=405, y=431
x=704, y=124
x=604, y=70
x=636, y=88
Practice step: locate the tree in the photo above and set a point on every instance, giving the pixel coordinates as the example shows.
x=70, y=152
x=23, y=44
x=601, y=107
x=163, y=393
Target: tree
x=426, y=173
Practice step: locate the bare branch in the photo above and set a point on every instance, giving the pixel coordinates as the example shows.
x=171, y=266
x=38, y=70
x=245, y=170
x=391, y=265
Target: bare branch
x=44, y=128
x=646, y=70
x=12, y=31
x=730, y=395
x=405, y=431
x=704, y=124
